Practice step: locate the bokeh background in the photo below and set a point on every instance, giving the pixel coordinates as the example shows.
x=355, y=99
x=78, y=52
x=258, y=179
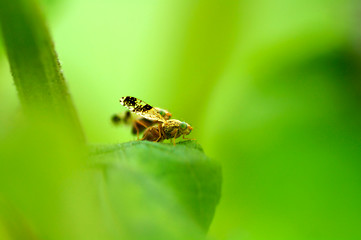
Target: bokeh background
x=271, y=88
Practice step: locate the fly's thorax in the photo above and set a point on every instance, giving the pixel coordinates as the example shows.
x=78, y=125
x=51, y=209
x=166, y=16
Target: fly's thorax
x=170, y=128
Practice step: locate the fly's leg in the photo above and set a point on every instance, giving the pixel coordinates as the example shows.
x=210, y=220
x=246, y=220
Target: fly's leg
x=175, y=136
x=188, y=138
x=136, y=128
x=160, y=130
x=160, y=126
x=145, y=134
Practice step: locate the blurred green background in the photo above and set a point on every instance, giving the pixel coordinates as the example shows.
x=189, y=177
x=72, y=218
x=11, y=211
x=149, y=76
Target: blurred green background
x=271, y=88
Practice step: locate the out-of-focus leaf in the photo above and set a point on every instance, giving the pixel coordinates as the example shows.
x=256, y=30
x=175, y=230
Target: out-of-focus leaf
x=159, y=184
x=206, y=47
x=12, y=224
x=34, y=63
x=36, y=161
x=290, y=139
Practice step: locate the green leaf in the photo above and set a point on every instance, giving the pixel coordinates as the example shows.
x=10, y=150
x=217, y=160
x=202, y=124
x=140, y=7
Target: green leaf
x=34, y=64
x=182, y=171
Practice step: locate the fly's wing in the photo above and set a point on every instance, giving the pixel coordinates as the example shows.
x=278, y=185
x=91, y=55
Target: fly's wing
x=141, y=108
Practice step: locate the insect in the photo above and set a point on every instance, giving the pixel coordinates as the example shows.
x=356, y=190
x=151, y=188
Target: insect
x=166, y=128
x=139, y=124
x=170, y=129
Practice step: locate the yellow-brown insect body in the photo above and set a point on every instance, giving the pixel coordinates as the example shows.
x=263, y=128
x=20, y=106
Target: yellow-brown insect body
x=153, y=134
x=138, y=123
x=172, y=129
x=166, y=129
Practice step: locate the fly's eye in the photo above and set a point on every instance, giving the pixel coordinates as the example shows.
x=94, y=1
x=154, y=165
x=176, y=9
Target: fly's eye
x=183, y=125
x=162, y=113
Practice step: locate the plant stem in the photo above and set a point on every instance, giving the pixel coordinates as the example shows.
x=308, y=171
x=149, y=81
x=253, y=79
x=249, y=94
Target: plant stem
x=34, y=63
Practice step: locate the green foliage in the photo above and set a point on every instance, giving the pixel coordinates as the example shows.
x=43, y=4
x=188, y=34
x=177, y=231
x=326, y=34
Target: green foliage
x=271, y=88
x=34, y=64
x=38, y=160
x=51, y=187
x=193, y=178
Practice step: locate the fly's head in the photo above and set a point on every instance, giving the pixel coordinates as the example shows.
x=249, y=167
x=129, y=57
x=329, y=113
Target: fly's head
x=185, y=128
x=164, y=113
